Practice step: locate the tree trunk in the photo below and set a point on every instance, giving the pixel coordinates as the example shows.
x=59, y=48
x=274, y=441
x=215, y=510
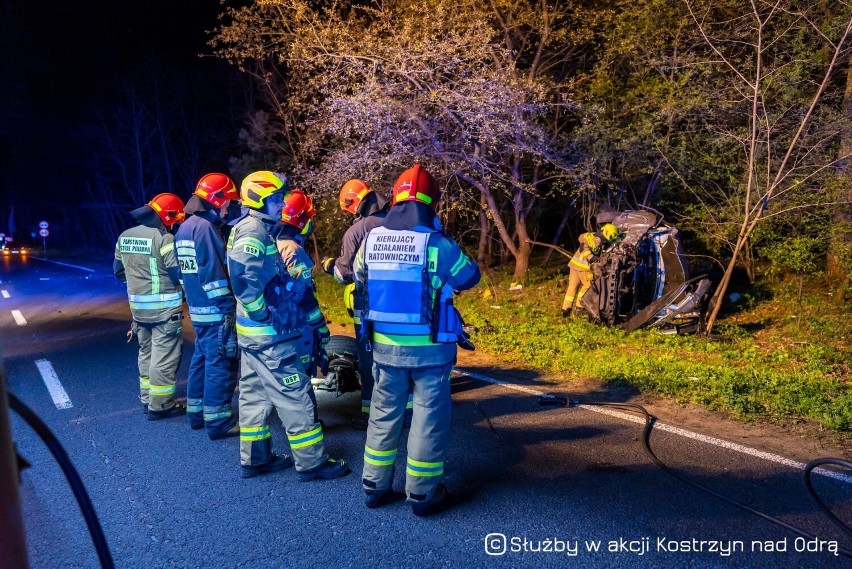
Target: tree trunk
x=484, y=232
x=748, y=261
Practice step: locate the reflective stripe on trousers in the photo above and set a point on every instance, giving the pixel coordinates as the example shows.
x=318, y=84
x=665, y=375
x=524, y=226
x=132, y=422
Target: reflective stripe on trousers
x=210, y=384
x=159, y=358
x=430, y=427
x=275, y=378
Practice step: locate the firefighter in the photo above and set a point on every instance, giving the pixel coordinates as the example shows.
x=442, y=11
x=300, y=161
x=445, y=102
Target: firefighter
x=369, y=210
x=203, y=266
x=296, y=224
x=270, y=334
x=401, y=268
x=580, y=275
x=145, y=260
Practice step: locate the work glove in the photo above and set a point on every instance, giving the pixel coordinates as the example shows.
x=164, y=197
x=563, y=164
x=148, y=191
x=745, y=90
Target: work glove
x=322, y=336
x=133, y=333
x=328, y=265
x=320, y=362
x=286, y=317
x=319, y=358
x=228, y=337
x=294, y=291
x=463, y=339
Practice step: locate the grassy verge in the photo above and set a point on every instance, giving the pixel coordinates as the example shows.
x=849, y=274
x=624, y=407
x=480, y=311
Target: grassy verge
x=769, y=359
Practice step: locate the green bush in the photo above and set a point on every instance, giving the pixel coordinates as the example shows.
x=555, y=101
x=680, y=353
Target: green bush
x=788, y=372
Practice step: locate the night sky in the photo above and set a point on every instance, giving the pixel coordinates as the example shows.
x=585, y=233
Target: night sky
x=60, y=60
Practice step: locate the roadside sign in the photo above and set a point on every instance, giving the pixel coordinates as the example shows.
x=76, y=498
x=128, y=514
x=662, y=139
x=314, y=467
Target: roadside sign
x=44, y=232
x=43, y=225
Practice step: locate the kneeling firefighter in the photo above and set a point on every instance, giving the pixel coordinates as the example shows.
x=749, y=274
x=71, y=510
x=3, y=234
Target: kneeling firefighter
x=273, y=348
x=403, y=267
x=203, y=266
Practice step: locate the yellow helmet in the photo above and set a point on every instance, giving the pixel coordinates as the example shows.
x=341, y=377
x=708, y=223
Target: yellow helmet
x=609, y=232
x=260, y=185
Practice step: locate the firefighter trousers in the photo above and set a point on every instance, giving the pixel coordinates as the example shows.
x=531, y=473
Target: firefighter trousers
x=210, y=384
x=275, y=378
x=430, y=428
x=579, y=282
x=159, y=357
x=365, y=372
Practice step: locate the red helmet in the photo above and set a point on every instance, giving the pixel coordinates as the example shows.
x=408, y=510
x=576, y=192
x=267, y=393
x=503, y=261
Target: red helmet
x=416, y=184
x=352, y=193
x=216, y=189
x=169, y=207
x=298, y=209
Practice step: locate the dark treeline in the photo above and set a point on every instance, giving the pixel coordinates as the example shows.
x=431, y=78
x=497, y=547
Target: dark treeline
x=731, y=118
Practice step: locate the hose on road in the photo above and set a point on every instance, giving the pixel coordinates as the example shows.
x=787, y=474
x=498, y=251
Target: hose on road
x=71, y=474
x=646, y=445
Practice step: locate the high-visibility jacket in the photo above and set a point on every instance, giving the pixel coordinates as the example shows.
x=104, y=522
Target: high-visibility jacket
x=300, y=266
x=587, y=252
x=253, y=273
x=145, y=260
x=403, y=272
x=203, y=267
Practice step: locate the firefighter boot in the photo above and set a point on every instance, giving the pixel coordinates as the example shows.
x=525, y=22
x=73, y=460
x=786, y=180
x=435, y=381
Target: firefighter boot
x=176, y=411
x=275, y=464
x=329, y=470
x=440, y=501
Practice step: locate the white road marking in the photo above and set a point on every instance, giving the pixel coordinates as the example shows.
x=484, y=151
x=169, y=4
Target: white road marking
x=51, y=380
x=670, y=429
x=5, y=293
x=44, y=278
x=19, y=318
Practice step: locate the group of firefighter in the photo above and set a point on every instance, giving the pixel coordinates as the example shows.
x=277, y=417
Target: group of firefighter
x=248, y=284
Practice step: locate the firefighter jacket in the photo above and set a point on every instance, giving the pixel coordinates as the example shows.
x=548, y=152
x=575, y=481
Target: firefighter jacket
x=402, y=268
x=355, y=235
x=203, y=268
x=145, y=260
x=300, y=266
x=253, y=265
x=587, y=252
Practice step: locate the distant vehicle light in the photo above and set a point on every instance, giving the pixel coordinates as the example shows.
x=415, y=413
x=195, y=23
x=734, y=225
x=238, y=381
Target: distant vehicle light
x=6, y=252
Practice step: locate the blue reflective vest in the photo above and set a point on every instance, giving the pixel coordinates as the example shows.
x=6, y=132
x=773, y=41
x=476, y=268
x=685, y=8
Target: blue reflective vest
x=399, y=297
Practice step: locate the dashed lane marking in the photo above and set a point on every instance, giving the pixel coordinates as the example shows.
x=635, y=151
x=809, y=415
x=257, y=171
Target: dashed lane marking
x=5, y=293
x=19, y=318
x=670, y=429
x=54, y=386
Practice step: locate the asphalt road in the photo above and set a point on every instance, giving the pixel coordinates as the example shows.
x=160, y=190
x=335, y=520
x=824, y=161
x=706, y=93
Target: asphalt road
x=548, y=485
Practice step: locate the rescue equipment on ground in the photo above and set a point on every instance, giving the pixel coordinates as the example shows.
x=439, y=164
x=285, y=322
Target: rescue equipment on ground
x=342, y=376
